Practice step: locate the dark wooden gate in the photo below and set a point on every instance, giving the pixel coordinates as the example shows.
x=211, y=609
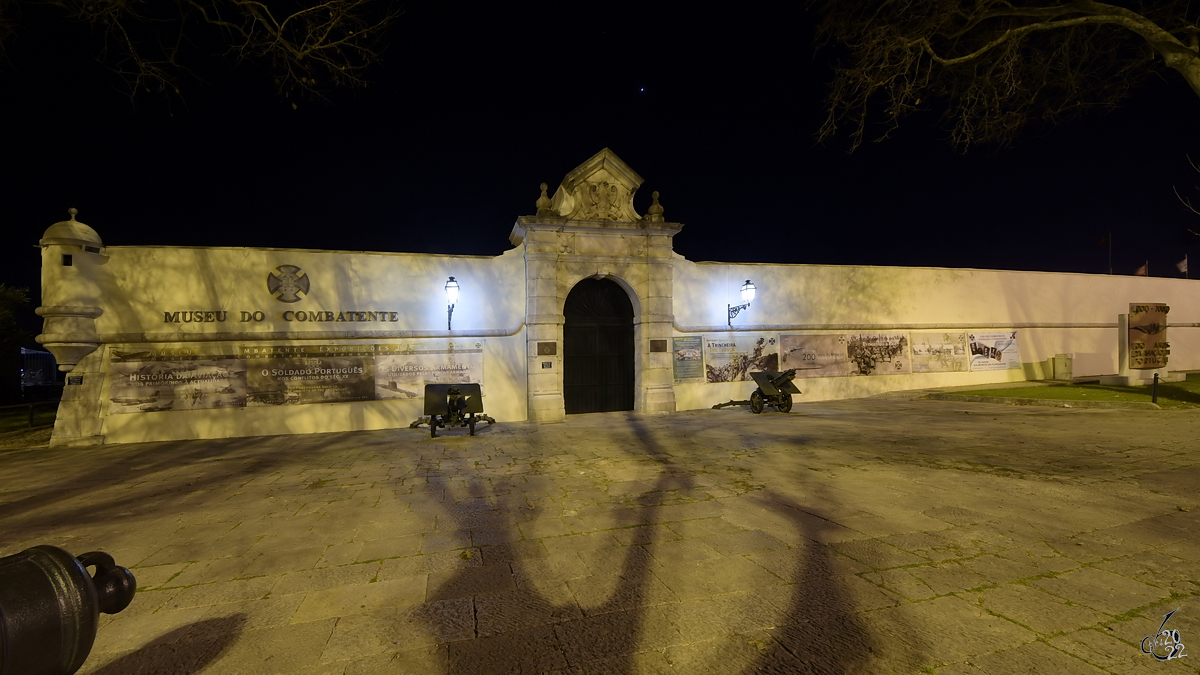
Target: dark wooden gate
x=597, y=348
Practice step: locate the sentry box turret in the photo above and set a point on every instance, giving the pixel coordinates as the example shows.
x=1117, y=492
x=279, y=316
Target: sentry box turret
x=452, y=405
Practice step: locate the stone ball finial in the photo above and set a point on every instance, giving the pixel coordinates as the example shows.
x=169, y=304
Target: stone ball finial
x=654, y=214
x=73, y=211
x=544, y=204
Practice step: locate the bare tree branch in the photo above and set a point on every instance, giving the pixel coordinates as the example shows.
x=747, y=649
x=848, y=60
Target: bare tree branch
x=314, y=47
x=995, y=66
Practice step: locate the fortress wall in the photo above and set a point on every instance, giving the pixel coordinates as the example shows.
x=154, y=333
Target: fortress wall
x=1052, y=313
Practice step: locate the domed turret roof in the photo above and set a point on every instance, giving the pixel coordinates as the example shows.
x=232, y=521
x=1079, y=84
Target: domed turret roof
x=71, y=233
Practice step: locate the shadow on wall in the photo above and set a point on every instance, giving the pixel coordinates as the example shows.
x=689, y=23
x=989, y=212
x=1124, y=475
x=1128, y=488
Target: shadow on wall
x=184, y=651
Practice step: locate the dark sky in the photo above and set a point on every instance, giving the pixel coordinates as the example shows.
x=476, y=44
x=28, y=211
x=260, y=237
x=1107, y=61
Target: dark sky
x=477, y=103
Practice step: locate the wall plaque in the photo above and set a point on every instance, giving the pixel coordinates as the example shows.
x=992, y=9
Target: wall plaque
x=547, y=348
x=74, y=379
x=658, y=346
x=1148, y=346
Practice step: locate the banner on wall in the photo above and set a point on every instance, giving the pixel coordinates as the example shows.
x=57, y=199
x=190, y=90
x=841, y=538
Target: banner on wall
x=815, y=355
x=994, y=351
x=403, y=370
x=939, y=352
x=310, y=379
x=687, y=354
x=190, y=384
x=732, y=358
x=845, y=354
x=266, y=375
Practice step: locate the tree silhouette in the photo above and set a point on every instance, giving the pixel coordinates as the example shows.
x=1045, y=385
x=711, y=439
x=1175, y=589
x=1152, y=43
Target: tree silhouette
x=995, y=66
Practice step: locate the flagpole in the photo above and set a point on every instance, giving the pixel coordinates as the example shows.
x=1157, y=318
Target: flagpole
x=1110, y=252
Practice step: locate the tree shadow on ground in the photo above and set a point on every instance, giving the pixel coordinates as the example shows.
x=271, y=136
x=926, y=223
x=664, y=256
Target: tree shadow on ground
x=183, y=651
x=824, y=634
x=206, y=466
x=533, y=631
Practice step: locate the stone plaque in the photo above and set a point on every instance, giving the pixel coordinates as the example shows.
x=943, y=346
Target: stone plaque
x=658, y=346
x=1148, y=346
x=547, y=348
x=74, y=379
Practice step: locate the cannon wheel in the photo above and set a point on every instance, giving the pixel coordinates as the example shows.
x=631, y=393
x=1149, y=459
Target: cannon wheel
x=471, y=423
x=756, y=402
x=433, y=422
x=785, y=403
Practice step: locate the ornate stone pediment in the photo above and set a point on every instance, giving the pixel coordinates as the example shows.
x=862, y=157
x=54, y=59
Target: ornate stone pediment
x=601, y=188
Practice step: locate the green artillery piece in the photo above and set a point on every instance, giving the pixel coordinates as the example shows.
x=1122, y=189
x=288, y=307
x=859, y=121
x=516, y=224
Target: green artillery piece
x=452, y=405
x=773, y=389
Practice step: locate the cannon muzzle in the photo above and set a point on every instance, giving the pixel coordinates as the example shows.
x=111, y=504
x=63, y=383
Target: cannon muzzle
x=50, y=606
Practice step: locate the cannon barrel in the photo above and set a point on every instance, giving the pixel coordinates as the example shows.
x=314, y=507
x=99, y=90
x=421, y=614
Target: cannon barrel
x=50, y=607
x=786, y=376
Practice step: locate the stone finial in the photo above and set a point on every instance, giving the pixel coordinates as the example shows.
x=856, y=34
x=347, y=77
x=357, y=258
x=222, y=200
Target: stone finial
x=655, y=213
x=73, y=211
x=544, y=205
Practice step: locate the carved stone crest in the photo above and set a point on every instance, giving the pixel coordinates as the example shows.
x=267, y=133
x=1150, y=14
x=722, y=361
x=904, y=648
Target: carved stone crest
x=288, y=284
x=602, y=201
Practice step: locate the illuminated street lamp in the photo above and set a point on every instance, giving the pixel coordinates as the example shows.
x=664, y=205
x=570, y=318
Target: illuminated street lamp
x=747, y=298
x=451, y=300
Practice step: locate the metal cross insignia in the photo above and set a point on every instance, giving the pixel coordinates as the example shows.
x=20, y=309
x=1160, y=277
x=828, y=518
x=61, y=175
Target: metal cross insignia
x=288, y=284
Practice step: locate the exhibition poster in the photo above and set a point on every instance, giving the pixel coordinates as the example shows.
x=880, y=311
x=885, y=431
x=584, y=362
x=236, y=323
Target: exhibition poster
x=939, y=352
x=403, y=370
x=844, y=354
x=731, y=358
x=994, y=351
x=189, y=384
x=688, y=358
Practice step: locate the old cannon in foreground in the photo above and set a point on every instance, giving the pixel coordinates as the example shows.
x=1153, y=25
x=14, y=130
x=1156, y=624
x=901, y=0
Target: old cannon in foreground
x=773, y=389
x=452, y=405
x=50, y=607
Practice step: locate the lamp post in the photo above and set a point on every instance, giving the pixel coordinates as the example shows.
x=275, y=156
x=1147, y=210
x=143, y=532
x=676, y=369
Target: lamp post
x=747, y=298
x=451, y=300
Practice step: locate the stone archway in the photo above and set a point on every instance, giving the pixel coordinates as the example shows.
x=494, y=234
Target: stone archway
x=598, y=348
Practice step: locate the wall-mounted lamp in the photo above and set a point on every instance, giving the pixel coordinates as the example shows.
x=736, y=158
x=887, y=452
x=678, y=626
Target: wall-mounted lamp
x=747, y=298
x=451, y=300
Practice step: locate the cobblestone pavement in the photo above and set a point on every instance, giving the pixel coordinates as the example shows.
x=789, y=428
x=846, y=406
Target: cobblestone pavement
x=869, y=536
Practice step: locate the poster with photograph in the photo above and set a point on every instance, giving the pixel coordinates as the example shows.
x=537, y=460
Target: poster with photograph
x=402, y=370
x=815, y=355
x=994, y=351
x=309, y=379
x=732, y=358
x=939, y=352
x=687, y=354
x=878, y=353
x=845, y=354
x=153, y=385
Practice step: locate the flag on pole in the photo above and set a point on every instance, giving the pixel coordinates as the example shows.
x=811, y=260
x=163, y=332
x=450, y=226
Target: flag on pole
x=1182, y=265
x=1143, y=271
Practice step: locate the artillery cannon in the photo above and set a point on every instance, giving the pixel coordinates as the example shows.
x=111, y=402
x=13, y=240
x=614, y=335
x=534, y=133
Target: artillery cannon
x=50, y=607
x=452, y=405
x=773, y=389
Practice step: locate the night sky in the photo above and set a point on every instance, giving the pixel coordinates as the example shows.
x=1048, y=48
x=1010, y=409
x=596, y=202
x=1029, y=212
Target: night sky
x=476, y=104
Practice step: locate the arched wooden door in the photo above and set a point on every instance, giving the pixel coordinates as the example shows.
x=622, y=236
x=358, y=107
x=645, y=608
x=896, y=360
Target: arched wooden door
x=597, y=348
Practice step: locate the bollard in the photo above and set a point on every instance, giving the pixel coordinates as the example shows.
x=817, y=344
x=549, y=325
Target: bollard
x=1154, y=391
x=50, y=606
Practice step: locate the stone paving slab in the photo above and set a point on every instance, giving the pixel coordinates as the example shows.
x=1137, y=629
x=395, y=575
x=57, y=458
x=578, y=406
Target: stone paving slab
x=871, y=536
